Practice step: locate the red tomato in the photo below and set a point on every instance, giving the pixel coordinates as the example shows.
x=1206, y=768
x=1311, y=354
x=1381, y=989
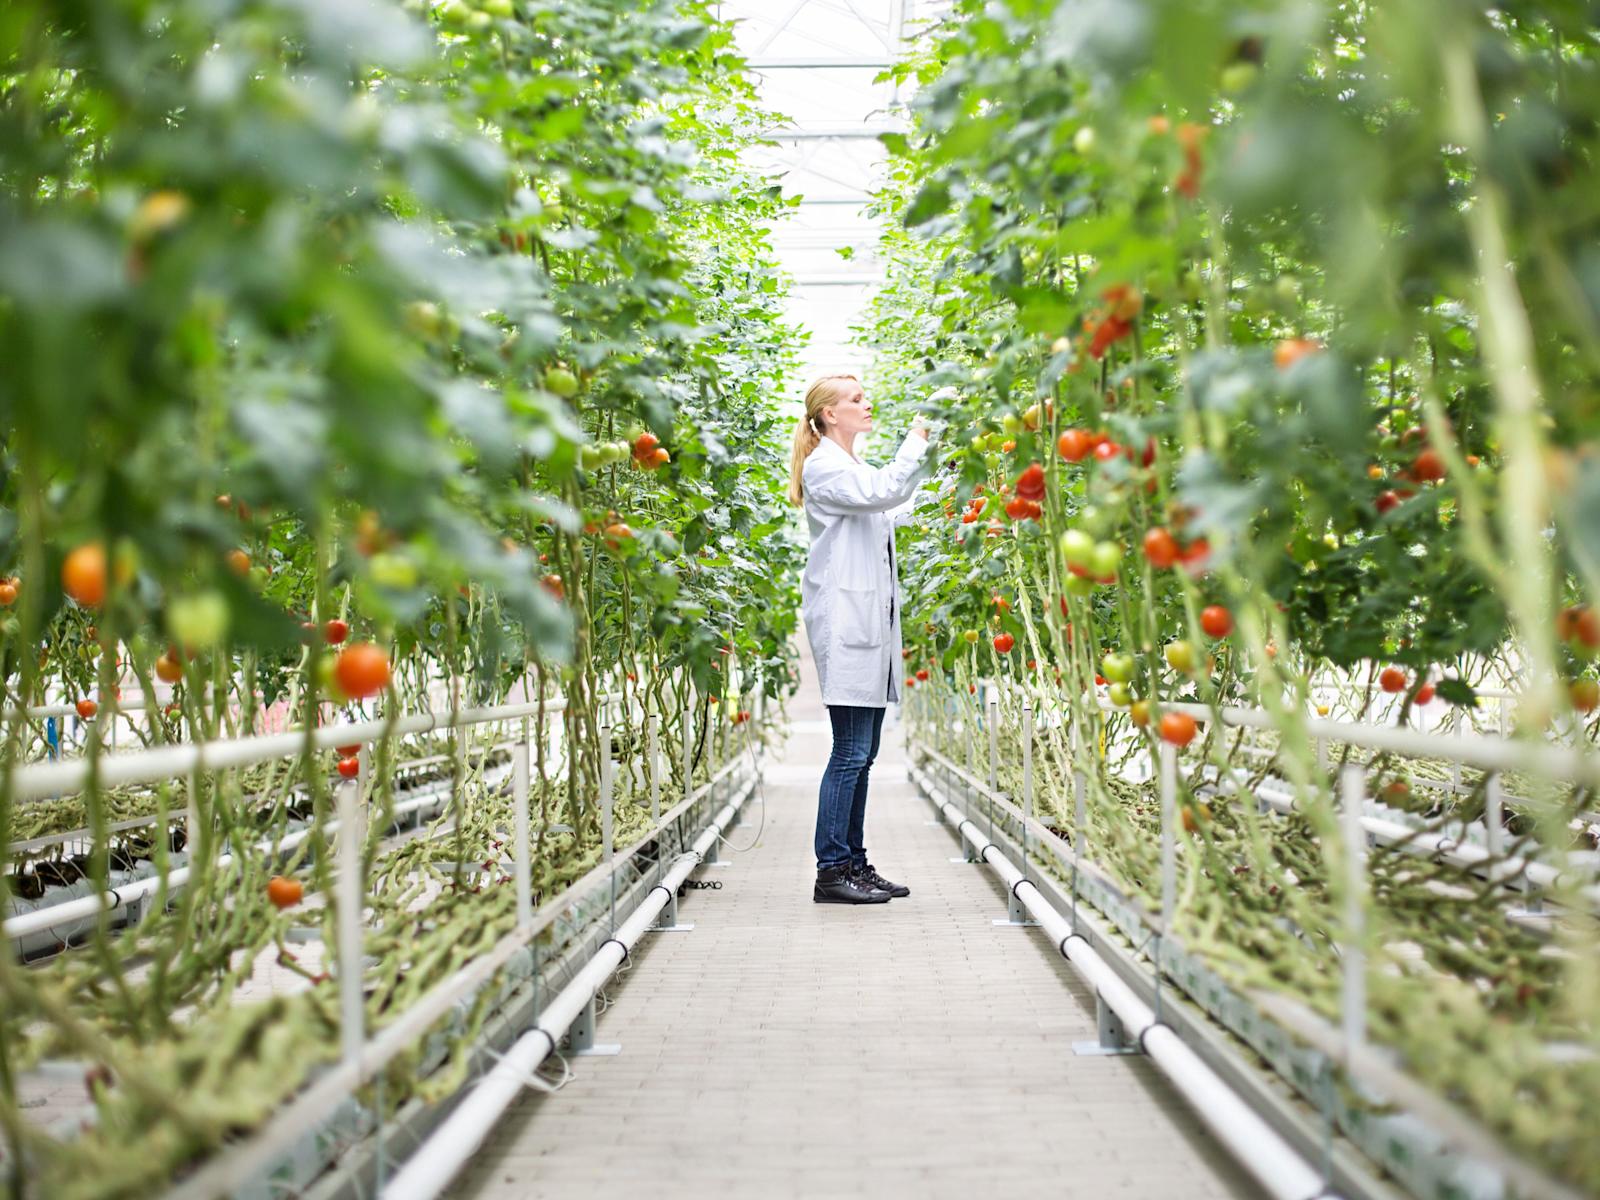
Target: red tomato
x=1195, y=556
x=1587, y=627
x=1425, y=694
x=922, y=676
x=335, y=631
x=1178, y=728
x=1392, y=679
x=1004, y=642
x=1428, y=468
x=168, y=669
x=1291, y=350
x=1386, y=501
x=362, y=670
x=1585, y=695
x=1030, y=484
x=1161, y=548
x=87, y=708
x=350, y=767
x=1074, y=445
x=1216, y=621
x=1107, y=450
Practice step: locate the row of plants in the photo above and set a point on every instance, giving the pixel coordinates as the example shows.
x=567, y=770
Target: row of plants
x=1275, y=338
x=361, y=359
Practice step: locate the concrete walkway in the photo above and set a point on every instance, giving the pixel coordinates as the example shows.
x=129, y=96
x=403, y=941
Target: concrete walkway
x=785, y=1048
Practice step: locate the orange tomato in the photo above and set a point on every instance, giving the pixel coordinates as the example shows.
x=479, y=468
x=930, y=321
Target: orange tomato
x=1178, y=728
x=83, y=574
x=362, y=670
x=284, y=893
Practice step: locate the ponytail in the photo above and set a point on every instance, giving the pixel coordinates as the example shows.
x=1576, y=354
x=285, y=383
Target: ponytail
x=823, y=393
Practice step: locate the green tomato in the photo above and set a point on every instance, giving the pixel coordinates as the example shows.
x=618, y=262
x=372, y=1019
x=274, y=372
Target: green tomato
x=1077, y=585
x=1118, y=668
x=980, y=443
x=1083, y=140
x=1237, y=77
x=1077, y=547
x=478, y=21
x=1120, y=695
x=393, y=571
x=329, y=679
x=198, y=622
x=561, y=382
x=1180, y=656
x=499, y=8
x=1107, y=557
x=423, y=318
x=591, y=457
x=453, y=12
x=972, y=636
x=1095, y=520
x=1012, y=424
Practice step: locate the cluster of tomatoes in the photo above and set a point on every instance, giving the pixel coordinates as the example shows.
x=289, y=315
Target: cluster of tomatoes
x=649, y=453
x=1190, y=137
x=349, y=764
x=1163, y=551
x=1024, y=505
x=1578, y=628
x=1395, y=682
x=200, y=621
x=1112, y=321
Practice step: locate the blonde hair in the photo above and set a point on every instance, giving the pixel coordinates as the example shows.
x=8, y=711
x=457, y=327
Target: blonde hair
x=825, y=391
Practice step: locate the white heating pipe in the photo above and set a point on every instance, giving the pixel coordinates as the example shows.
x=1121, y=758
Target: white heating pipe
x=437, y=1161
x=46, y=781
x=1423, y=844
x=86, y=906
x=1476, y=749
x=1256, y=1145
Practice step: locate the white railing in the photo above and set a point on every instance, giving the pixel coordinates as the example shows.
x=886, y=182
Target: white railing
x=1492, y=755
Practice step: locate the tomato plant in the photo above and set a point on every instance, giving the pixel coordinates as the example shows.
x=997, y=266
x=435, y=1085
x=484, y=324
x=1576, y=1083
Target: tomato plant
x=1262, y=344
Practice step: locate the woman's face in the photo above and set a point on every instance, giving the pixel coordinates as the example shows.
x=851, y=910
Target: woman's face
x=852, y=414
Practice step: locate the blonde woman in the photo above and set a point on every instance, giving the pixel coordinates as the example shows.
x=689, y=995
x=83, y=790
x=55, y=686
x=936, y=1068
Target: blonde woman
x=851, y=605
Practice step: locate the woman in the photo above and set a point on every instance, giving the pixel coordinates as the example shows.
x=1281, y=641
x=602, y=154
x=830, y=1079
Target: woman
x=850, y=601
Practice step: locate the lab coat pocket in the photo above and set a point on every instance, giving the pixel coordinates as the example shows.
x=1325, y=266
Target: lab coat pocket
x=860, y=617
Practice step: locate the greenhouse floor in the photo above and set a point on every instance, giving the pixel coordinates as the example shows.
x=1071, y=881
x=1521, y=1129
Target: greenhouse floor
x=785, y=1048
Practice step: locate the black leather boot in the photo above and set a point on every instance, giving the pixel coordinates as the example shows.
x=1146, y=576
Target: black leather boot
x=835, y=885
x=868, y=876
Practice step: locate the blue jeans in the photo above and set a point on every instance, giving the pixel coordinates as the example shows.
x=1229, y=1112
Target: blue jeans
x=842, y=802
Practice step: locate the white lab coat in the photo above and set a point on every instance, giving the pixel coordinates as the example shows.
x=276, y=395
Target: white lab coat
x=850, y=593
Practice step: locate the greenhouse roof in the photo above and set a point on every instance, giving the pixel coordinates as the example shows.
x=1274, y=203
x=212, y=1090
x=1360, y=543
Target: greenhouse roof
x=817, y=63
